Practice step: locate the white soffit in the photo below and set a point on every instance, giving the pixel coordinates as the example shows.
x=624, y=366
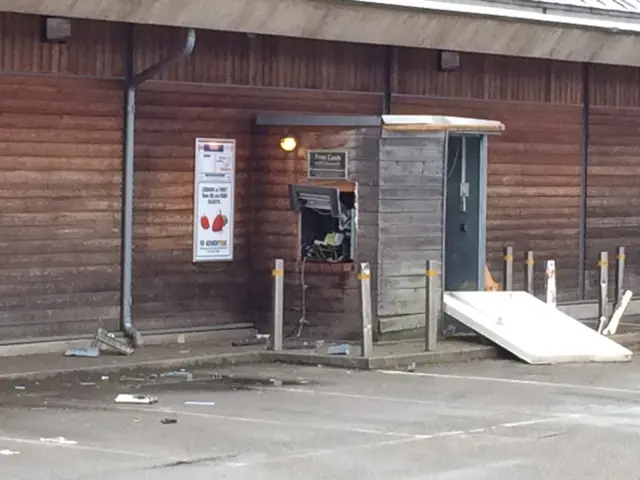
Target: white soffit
x=530, y=329
x=611, y=15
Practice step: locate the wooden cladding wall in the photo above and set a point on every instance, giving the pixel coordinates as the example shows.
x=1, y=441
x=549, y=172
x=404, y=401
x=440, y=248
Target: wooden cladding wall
x=264, y=61
x=169, y=291
x=488, y=77
x=613, y=193
x=60, y=177
x=533, y=184
x=95, y=49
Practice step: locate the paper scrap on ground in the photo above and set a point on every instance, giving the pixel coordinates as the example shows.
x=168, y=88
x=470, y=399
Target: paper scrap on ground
x=203, y=404
x=8, y=453
x=59, y=441
x=137, y=399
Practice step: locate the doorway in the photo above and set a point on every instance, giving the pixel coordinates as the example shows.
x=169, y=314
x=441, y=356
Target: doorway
x=465, y=212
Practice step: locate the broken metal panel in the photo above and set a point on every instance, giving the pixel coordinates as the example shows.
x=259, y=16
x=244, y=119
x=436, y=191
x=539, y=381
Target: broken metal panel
x=353, y=22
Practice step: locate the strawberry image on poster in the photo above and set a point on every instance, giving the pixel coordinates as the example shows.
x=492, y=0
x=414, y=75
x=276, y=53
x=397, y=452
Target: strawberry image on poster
x=219, y=222
x=204, y=222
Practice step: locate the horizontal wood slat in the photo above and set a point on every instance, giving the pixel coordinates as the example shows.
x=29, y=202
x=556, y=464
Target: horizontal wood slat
x=60, y=176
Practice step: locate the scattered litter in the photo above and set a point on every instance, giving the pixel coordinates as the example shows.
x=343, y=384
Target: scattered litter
x=19, y=387
x=275, y=382
x=137, y=399
x=259, y=339
x=8, y=453
x=411, y=367
x=182, y=374
x=59, y=441
x=184, y=351
x=303, y=382
x=110, y=340
x=88, y=384
x=169, y=421
x=83, y=352
x=153, y=376
x=339, y=349
x=201, y=404
x=104, y=377
x=182, y=339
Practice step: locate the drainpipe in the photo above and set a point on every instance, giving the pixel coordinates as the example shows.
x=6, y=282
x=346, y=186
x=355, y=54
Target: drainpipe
x=133, y=81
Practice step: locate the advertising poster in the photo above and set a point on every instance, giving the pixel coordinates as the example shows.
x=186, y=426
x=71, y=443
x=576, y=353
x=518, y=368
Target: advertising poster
x=214, y=193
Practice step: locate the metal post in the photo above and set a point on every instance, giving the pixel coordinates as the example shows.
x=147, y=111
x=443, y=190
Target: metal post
x=366, y=350
x=603, y=300
x=619, y=290
x=432, y=306
x=551, y=282
x=528, y=272
x=507, y=270
x=278, y=304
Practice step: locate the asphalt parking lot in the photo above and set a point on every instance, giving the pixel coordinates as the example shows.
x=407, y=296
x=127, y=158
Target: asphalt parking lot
x=487, y=420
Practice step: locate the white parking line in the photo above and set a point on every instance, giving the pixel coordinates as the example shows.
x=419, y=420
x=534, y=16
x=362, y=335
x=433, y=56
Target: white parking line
x=514, y=381
x=414, y=438
x=129, y=453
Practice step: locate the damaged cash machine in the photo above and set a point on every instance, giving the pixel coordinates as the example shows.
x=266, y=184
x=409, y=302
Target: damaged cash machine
x=334, y=191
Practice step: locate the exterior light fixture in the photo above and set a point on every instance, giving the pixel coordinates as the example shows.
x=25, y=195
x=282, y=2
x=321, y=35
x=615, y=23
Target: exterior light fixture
x=55, y=30
x=288, y=143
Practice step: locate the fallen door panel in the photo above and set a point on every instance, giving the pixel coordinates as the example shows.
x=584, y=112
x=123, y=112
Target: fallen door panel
x=531, y=329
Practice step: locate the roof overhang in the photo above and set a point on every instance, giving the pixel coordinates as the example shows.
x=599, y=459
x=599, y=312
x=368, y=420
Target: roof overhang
x=409, y=23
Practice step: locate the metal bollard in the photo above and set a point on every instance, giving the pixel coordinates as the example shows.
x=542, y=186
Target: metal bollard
x=278, y=305
x=367, y=322
x=603, y=300
x=507, y=271
x=618, y=289
x=528, y=272
x=550, y=274
x=432, y=310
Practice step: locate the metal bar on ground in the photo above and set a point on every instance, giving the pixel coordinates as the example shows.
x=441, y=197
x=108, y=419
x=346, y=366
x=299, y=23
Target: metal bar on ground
x=550, y=274
x=432, y=309
x=507, y=271
x=366, y=349
x=619, y=285
x=528, y=272
x=603, y=281
x=278, y=305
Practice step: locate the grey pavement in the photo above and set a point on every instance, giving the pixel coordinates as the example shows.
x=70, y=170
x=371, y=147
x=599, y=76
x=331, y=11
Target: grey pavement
x=498, y=420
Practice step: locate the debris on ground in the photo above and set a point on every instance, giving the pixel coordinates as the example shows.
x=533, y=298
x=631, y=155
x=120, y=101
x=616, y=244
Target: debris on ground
x=184, y=352
x=7, y=453
x=259, y=339
x=181, y=374
x=181, y=339
x=275, y=382
x=59, y=441
x=201, y=404
x=339, y=349
x=88, y=384
x=109, y=340
x=132, y=379
x=19, y=387
x=411, y=367
x=136, y=399
x=169, y=421
x=104, y=377
x=91, y=352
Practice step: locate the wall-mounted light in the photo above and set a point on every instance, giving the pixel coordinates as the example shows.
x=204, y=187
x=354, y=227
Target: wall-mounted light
x=288, y=143
x=448, y=61
x=56, y=30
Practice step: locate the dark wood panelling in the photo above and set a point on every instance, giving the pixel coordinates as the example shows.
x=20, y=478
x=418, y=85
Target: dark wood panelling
x=410, y=224
x=614, y=86
x=60, y=163
x=533, y=184
x=168, y=289
x=489, y=77
x=613, y=194
x=264, y=61
x=95, y=49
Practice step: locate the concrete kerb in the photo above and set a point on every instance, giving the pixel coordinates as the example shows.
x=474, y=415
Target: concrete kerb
x=375, y=362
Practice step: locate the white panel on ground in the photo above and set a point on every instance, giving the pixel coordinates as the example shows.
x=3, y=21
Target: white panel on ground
x=530, y=329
